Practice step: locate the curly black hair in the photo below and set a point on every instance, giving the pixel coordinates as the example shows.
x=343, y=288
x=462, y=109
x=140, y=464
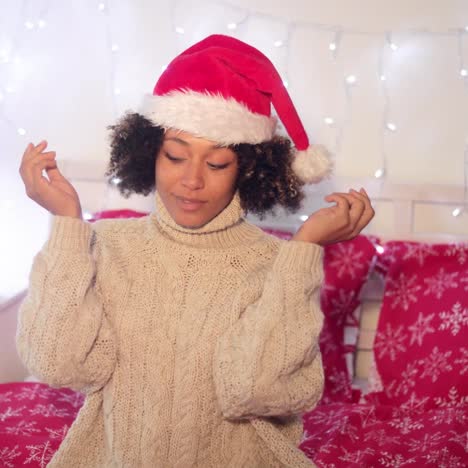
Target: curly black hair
x=265, y=177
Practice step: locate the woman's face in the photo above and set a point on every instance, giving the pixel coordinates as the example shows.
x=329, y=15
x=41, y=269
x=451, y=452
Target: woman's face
x=195, y=178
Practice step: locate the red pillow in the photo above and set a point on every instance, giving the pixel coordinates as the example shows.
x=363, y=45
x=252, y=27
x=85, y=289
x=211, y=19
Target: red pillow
x=421, y=344
x=347, y=266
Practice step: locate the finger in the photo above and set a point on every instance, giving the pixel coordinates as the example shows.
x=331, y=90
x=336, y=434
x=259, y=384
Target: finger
x=366, y=215
x=38, y=178
x=54, y=174
x=357, y=209
x=340, y=199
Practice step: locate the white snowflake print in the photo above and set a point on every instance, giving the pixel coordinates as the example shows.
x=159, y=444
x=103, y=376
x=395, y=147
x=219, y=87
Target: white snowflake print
x=390, y=342
x=5, y=397
x=406, y=424
x=460, y=438
x=382, y=438
x=435, y=364
x=346, y=260
x=450, y=415
x=463, y=361
x=342, y=304
x=424, y=442
x=420, y=252
x=41, y=454
x=406, y=381
x=340, y=382
x=327, y=341
x=454, y=320
x=403, y=290
x=420, y=328
x=464, y=280
x=7, y=455
x=453, y=399
x=23, y=428
x=366, y=414
x=439, y=283
x=33, y=392
x=458, y=250
x=11, y=413
x=75, y=399
x=444, y=459
x=49, y=411
x=355, y=457
x=412, y=406
x=58, y=434
x=395, y=460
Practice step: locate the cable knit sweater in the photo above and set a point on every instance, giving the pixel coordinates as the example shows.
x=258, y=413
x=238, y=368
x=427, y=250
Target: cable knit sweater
x=194, y=347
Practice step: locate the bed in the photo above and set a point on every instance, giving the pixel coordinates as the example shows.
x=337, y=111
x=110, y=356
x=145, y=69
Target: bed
x=394, y=347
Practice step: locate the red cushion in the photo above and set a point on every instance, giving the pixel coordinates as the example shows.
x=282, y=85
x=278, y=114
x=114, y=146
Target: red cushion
x=347, y=266
x=421, y=345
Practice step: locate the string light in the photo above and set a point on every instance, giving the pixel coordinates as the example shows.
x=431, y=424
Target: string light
x=232, y=26
x=391, y=126
x=303, y=217
x=329, y=120
x=278, y=43
x=379, y=173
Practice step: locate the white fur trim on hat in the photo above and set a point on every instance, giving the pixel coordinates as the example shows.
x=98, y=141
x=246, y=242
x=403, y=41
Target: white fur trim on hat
x=210, y=116
x=313, y=164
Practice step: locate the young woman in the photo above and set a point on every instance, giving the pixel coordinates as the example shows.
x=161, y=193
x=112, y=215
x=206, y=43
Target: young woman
x=193, y=334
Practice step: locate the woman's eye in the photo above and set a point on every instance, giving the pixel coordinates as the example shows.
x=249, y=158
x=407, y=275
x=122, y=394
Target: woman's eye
x=217, y=166
x=173, y=158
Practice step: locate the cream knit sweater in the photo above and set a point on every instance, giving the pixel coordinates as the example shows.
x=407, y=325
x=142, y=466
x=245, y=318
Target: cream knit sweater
x=195, y=348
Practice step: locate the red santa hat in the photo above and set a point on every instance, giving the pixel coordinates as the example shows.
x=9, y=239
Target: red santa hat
x=222, y=89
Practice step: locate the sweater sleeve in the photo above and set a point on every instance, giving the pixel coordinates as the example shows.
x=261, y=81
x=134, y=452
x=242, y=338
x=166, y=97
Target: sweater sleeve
x=268, y=363
x=63, y=336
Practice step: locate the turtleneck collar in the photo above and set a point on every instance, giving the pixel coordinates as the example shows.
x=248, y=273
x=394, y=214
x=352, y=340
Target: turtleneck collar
x=227, y=229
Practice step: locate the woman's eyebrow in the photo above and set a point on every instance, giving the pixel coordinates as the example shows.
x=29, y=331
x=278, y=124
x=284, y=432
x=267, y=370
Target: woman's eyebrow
x=186, y=143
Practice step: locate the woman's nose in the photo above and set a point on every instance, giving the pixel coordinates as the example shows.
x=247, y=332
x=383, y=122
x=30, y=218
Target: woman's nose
x=193, y=176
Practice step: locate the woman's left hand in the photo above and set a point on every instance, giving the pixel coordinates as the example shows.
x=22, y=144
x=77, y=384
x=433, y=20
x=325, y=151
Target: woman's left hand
x=344, y=221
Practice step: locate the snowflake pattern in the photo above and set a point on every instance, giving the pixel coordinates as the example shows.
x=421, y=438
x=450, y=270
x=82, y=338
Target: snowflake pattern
x=41, y=453
x=458, y=250
x=11, y=413
x=23, y=428
x=7, y=455
x=346, y=260
x=440, y=283
x=403, y=291
x=424, y=442
x=463, y=361
x=414, y=405
x=58, y=434
x=453, y=399
x=435, y=364
x=395, y=460
x=461, y=439
x=406, y=424
x=420, y=328
x=420, y=252
x=390, y=342
x=444, y=459
x=49, y=411
x=450, y=416
x=5, y=397
x=406, y=382
x=381, y=437
x=355, y=457
x=455, y=319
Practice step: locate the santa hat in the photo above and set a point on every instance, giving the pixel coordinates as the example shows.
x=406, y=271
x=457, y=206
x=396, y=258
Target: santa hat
x=222, y=89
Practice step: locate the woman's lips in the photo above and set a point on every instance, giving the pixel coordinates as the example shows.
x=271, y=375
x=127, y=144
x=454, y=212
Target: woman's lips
x=189, y=204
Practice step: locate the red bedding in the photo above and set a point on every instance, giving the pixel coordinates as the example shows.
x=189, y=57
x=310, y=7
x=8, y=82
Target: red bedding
x=34, y=419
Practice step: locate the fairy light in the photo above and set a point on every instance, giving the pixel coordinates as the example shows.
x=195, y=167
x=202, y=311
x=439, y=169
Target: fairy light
x=380, y=249
x=232, y=26
x=329, y=121
x=278, y=43
x=303, y=218
x=391, y=126
x=179, y=30
x=379, y=173
x=351, y=79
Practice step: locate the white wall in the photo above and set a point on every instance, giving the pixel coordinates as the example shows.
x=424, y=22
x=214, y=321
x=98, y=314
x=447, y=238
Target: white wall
x=63, y=91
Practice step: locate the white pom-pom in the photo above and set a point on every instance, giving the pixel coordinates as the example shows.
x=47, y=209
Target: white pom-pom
x=313, y=164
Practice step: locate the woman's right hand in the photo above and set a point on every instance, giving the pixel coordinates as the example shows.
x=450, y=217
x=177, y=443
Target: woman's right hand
x=55, y=194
